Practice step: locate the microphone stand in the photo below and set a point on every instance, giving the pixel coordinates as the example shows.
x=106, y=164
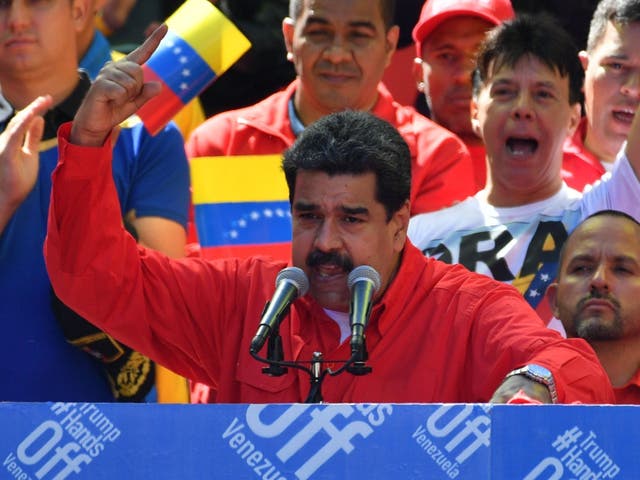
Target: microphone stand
x=275, y=355
x=315, y=393
x=360, y=356
x=277, y=366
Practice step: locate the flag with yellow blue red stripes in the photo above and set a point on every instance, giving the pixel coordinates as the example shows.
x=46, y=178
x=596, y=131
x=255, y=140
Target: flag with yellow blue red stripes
x=200, y=44
x=241, y=206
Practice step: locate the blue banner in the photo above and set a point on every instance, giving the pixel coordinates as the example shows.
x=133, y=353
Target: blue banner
x=55, y=441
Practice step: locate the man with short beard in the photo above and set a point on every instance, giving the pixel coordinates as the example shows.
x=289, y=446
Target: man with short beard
x=595, y=295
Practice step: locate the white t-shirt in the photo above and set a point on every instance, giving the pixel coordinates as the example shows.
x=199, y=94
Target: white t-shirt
x=521, y=245
x=343, y=321
x=5, y=109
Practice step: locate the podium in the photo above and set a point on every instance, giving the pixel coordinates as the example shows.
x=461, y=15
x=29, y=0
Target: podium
x=318, y=441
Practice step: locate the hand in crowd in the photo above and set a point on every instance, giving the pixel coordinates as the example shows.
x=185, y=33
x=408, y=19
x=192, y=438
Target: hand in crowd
x=117, y=93
x=19, y=156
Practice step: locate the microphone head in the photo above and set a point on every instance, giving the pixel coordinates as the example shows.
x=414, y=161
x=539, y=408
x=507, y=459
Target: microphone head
x=296, y=276
x=366, y=273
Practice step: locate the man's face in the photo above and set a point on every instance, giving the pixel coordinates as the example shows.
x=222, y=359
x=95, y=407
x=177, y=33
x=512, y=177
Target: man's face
x=596, y=296
x=448, y=58
x=611, y=88
x=338, y=225
x=340, y=49
x=523, y=115
x=35, y=34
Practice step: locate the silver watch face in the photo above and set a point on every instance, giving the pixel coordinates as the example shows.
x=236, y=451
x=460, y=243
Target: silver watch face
x=540, y=371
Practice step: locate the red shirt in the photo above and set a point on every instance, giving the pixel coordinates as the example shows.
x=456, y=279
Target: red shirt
x=442, y=171
x=630, y=393
x=439, y=334
x=580, y=167
x=479, y=158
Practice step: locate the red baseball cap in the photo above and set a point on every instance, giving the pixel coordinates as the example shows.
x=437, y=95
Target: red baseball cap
x=434, y=12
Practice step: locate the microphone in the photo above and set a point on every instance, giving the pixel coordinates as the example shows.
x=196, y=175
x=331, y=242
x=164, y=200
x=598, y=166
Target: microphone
x=291, y=283
x=364, y=282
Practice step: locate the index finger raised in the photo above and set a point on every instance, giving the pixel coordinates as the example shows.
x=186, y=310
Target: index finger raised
x=144, y=51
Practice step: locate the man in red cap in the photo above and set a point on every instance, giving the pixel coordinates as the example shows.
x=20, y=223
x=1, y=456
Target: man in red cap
x=447, y=37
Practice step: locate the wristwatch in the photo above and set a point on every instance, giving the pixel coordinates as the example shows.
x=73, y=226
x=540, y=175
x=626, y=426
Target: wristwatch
x=539, y=374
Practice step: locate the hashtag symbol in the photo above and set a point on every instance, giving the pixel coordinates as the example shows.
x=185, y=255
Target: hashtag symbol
x=565, y=440
x=61, y=407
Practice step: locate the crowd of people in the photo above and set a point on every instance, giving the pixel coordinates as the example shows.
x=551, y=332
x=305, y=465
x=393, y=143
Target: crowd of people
x=503, y=225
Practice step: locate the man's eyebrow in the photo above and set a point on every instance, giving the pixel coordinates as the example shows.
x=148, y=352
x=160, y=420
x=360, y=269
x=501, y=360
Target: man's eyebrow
x=311, y=21
x=362, y=24
x=304, y=206
x=622, y=258
x=502, y=81
x=355, y=210
x=616, y=56
x=442, y=46
x=546, y=84
x=581, y=257
x=315, y=21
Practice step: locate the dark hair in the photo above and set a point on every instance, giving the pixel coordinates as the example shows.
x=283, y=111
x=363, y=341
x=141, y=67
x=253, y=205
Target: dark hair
x=621, y=12
x=600, y=213
x=387, y=7
x=539, y=36
x=354, y=142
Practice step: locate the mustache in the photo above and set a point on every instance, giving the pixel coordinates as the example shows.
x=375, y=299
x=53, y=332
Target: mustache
x=458, y=90
x=595, y=294
x=343, y=68
x=316, y=258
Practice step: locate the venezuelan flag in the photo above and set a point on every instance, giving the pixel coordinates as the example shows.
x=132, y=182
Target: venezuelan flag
x=201, y=44
x=241, y=206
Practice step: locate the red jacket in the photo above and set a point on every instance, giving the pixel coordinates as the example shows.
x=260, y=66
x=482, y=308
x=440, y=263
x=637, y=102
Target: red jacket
x=479, y=158
x=580, y=167
x=630, y=393
x=442, y=170
x=439, y=333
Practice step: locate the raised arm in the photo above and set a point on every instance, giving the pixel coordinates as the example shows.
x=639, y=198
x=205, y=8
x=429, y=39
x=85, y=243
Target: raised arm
x=19, y=156
x=90, y=259
x=117, y=93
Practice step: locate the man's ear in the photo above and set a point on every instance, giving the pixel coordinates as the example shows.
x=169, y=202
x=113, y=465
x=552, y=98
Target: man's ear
x=418, y=76
x=552, y=296
x=400, y=221
x=584, y=59
x=475, y=122
x=288, y=27
x=81, y=14
x=391, y=44
x=574, y=121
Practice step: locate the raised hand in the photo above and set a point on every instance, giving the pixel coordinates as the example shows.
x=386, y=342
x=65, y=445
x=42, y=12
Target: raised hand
x=19, y=156
x=117, y=93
